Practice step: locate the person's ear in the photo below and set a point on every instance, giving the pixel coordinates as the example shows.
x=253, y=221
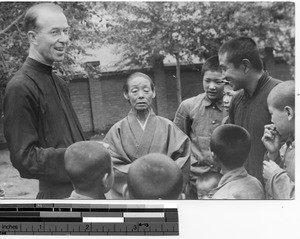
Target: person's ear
x=290, y=112
x=215, y=158
x=154, y=94
x=213, y=155
x=104, y=182
x=32, y=37
x=125, y=192
x=126, y=96
x=246, y=65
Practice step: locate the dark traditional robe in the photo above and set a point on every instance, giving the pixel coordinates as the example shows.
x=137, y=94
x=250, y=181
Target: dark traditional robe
x=251, y=112
x=128, y=141
x=39, y=123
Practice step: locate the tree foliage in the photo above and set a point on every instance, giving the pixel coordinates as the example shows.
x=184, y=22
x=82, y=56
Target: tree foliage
x=146, y=31
x=83, y=18
x=142, y=30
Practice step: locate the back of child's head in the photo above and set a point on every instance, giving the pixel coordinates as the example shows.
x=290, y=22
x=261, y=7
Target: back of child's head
x=154, y=176
x=211, y=64
x=86, y=163
x=212, y=177
x=231, y=145
x=282, y=95
x=206, y=182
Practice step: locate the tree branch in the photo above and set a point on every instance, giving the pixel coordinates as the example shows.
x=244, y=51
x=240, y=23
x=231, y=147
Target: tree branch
x=3, y=60
x=13, y=23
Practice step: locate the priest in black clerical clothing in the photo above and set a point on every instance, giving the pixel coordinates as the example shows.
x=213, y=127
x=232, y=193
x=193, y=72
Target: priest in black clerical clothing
x=39, y=120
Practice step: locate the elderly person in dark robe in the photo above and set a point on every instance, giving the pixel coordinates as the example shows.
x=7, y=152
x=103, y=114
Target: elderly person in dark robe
x=142, y=132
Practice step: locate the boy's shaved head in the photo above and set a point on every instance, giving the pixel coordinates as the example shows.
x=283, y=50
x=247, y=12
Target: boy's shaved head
x=86, y=162
x=154, y=176
x=214, y=177
x=206, y=182
x=282, y=95
x=231, y=144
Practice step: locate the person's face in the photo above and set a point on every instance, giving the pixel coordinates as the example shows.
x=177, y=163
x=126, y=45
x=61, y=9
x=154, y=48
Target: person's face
x=204, y=189
x=140, y=94
x=280, y=120
x=51, y=37
x=213, y=85
x=235, y=76
x=228, y=94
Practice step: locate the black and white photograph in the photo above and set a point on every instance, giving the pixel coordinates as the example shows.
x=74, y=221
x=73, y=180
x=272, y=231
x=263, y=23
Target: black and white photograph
x=177, y=101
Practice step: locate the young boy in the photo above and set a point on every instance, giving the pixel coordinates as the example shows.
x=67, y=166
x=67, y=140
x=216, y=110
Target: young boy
x=89, y=166
x=198, y=116
x=230, y=145
x=279, y=163
x=205, y=184
x=228, y=94
x=154, y=176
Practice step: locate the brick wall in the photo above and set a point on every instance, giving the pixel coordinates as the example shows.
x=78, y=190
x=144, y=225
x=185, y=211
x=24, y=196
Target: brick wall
x=191, y=85
x=80, y=97
x=116, y=106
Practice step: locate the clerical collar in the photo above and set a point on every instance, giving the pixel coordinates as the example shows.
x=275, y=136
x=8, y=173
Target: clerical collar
x=38, y=65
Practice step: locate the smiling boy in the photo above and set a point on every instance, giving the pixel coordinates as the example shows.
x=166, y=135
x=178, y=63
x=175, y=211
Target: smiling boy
x=199, y=116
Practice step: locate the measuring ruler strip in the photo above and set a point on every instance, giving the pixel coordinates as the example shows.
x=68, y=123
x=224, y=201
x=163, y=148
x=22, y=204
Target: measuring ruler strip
x=87, y=219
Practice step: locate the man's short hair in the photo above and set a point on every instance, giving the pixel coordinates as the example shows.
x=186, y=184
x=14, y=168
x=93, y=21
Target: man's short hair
x=211, y=64
x=134, y=75
x=241, y=48
x=86, y=162
x=231, y=145
x=282, y=95
x=154, y=176
x=30, y=21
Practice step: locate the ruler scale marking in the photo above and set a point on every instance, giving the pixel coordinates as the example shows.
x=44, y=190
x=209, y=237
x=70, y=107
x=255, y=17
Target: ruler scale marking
x=88, y=219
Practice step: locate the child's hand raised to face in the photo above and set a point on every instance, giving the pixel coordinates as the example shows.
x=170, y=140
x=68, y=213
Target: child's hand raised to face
x=271, y=139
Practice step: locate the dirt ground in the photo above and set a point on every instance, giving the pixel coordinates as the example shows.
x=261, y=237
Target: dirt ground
x=14, y=186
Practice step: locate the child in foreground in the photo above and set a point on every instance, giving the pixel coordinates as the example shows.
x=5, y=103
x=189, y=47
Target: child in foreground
x=154, y=176
x=230, y=145
x=279, y=163
x=89, y=166
x=205, y=184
